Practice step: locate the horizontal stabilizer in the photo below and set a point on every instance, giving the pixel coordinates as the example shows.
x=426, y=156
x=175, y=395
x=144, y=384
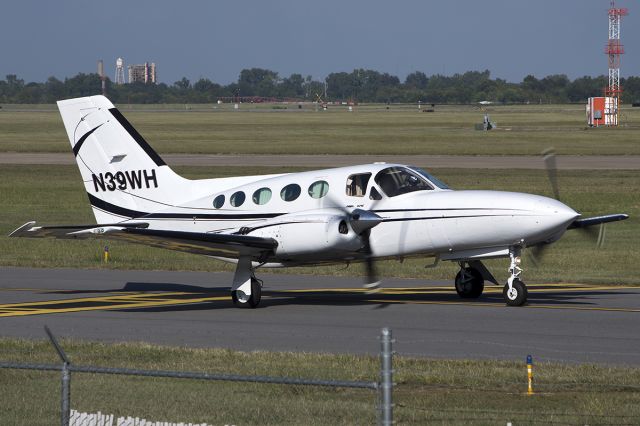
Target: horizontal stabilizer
x=597, y=220
x=29, y=230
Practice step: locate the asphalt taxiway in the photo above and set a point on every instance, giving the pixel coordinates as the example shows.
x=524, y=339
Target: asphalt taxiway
x=567, y=323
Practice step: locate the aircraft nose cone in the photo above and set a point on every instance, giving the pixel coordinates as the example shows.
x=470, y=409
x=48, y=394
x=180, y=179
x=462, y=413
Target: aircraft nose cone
x=556, y=214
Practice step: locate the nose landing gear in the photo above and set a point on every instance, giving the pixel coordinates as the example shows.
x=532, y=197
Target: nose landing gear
x=515, y=291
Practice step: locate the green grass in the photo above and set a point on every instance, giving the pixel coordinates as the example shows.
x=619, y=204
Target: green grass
x=427, y=391
x=254, y=129
x=55, y=195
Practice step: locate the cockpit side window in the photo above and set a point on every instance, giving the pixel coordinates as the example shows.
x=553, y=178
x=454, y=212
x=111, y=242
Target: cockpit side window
x=357, y=184
x=374, y=194
x=431, y=178
x=397, y=181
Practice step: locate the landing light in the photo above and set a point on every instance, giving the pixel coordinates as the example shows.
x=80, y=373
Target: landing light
x=518, y=260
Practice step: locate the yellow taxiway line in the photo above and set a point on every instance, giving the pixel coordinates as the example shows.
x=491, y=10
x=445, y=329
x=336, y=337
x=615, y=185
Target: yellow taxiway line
x=135, y=300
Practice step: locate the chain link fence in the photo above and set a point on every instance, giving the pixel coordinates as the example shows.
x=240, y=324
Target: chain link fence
x=383, y=387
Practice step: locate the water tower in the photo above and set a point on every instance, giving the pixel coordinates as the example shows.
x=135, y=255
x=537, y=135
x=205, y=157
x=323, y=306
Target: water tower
x=120, y=71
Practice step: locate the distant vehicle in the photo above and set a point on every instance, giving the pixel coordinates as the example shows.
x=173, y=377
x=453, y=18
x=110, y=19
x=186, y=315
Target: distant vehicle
x=485, y=102
x=334, y=216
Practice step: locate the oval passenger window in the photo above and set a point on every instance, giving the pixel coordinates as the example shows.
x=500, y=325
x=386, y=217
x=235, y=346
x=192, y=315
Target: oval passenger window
x=237, y=199
x=218, y=201
x=262, y=196
x=290, y=192
x=318, y=189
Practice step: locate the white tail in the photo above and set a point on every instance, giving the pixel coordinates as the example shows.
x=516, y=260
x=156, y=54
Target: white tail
x=123, y=176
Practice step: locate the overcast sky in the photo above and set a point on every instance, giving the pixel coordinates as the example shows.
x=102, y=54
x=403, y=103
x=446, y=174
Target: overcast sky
x=217, y=39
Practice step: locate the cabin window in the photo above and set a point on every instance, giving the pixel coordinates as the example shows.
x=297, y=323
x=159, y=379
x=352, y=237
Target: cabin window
x=218, y=202
x=262, y=196
x=397, y=181
x=318, y=189
x=290, y=192
x=357, y=184
x=237, y=199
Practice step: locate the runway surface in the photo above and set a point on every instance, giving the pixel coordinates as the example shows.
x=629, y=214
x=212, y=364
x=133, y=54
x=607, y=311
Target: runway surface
x=568, y=323
x=565, y=162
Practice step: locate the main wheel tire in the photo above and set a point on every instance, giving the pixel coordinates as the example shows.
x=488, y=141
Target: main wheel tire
x=241, y=301
x=469, y=283
x=517, y=296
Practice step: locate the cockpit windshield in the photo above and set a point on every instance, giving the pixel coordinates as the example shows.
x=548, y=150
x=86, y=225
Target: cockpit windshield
x=399, y=180
x=434, y=180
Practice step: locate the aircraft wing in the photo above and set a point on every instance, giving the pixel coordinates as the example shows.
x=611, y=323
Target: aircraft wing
x=210, y=244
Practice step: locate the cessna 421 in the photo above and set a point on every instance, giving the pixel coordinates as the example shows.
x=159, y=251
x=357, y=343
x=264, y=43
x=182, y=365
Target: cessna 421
x=341, y=215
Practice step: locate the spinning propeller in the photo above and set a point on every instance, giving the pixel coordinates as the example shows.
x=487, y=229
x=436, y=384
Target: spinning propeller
x=587, y=226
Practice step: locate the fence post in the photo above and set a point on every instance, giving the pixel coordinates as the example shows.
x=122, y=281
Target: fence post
x=65, y=408
x=386, y=377
x=66, y=394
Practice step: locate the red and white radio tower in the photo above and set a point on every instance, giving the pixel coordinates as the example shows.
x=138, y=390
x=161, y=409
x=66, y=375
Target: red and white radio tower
x=613, y=50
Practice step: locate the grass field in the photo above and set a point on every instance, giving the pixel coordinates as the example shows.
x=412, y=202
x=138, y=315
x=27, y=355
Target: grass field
x=427, y=391
x=524, y=129
x=55, y=195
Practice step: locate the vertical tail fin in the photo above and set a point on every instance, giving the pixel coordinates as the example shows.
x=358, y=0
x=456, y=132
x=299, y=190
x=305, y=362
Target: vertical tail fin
x=123, y=176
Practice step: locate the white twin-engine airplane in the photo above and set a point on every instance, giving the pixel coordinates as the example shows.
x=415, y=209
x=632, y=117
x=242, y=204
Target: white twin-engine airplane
x=333, y=216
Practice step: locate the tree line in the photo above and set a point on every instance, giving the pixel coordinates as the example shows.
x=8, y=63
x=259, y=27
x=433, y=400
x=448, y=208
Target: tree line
x=360, y=85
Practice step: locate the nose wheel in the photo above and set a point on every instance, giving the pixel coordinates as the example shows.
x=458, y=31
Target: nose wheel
x=515, y=291
x=515, y=294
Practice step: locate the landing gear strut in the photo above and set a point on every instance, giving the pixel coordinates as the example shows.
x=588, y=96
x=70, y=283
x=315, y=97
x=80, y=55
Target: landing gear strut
x=246, y=291
x=515, y=291
x=469, y=282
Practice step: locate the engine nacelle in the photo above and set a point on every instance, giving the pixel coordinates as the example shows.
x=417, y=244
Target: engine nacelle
x=323, y=235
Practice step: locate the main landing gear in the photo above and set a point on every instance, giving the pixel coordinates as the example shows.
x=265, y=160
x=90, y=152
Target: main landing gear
x=515, y=291
x=244, y=300
x=469, y=282
x=246, y=291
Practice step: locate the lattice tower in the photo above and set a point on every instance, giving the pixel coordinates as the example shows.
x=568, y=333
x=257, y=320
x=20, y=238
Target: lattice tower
x=613, y=50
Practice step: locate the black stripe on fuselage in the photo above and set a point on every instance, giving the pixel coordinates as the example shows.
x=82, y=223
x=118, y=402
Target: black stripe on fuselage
x=440, y=209
x=409, y=219
x=121, y=211
x=137, y=137
x=78, y=145
x=112, y=208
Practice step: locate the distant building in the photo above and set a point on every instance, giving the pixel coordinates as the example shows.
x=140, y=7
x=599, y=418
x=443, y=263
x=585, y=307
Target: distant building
x=144, y=73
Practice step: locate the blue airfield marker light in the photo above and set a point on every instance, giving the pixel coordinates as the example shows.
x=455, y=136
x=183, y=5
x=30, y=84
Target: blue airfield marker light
x=530, y=374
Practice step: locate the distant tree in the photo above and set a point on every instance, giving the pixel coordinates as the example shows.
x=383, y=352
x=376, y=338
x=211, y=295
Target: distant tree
x=631, y=87
x=340, y=85
x=584, y=87
x=83, y=85
x=292, y=87
x=416, y=80
x=257, y=82
x=184, y=83
x=54, y=90
x=363, y=85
